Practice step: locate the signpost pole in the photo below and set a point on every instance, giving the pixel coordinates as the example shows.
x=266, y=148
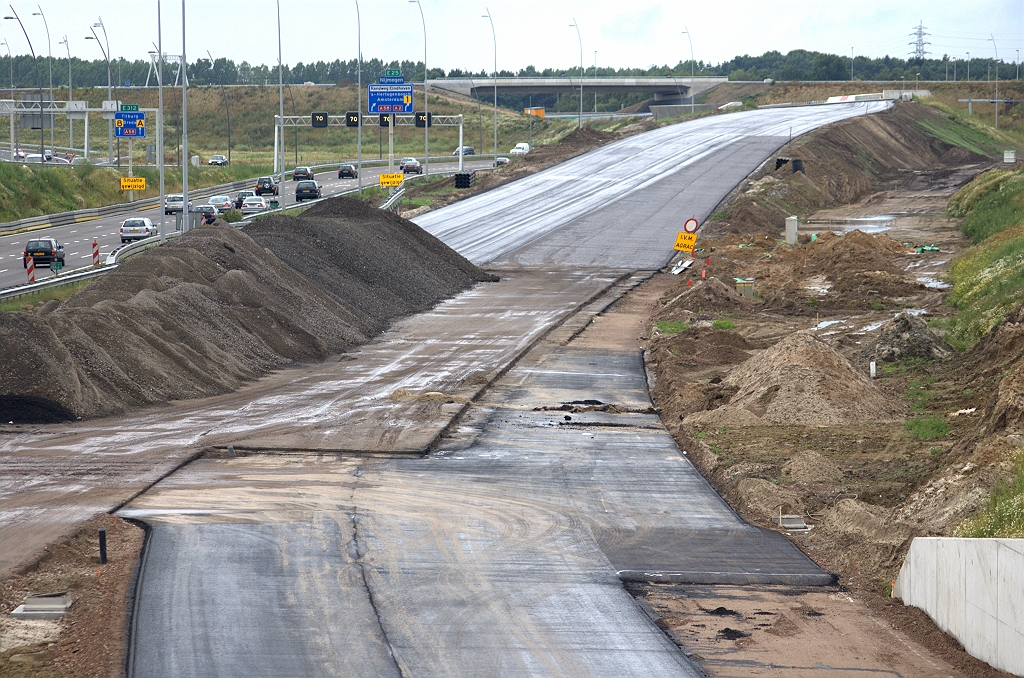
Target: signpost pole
x=391, y=143
x=131, y=194
x=462, y=155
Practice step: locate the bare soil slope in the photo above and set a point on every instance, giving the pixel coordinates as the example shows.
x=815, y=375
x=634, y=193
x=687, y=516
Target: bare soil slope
x=218, y=307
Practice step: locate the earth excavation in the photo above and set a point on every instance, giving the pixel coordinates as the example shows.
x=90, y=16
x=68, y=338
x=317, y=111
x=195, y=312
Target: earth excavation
x=770, y=395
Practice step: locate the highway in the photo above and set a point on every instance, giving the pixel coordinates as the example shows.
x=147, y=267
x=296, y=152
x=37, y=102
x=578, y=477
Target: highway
x=501, y=552
x=77, y=238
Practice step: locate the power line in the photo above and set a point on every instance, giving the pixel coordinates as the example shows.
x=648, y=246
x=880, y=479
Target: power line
x=919, y=44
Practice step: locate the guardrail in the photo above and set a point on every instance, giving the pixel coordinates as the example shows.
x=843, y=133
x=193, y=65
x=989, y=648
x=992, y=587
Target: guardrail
x=394, y=199
x=74, y=276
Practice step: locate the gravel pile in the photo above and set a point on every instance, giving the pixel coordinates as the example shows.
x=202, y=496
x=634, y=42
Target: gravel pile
x=907, y=336
x=217, y=307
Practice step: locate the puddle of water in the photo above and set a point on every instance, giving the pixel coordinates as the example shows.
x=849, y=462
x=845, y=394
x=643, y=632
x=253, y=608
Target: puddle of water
x=933, y=283
x=828, y=323
x=875, y=224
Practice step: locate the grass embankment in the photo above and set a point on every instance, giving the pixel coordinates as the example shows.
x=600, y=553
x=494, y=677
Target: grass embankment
x=1004, y=515
x=33, y=301
x=988, y=279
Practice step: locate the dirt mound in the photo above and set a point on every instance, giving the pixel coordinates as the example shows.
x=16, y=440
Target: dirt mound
x=702, y=347
x=855, y=251
x=810, y=467
x=802, y=380
x=907, y=336
x=708, y=295
x=958, y=155
x=215, y=308
x=726, y=415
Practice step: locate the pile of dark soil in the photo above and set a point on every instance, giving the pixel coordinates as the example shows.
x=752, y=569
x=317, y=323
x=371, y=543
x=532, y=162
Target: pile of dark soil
x=217, y=307
x=705, y=295
x=803, y=380
x=904, y=337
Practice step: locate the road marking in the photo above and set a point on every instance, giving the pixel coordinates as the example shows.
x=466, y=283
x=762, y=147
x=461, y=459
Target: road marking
x=74, y=253
x=5, y=270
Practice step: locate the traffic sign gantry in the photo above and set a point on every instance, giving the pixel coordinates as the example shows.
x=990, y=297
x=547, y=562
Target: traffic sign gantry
x=389, y=99
x=128, y=124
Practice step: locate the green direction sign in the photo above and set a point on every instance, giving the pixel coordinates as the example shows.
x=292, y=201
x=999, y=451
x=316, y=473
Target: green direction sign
x=393, y=73
x=129, y=108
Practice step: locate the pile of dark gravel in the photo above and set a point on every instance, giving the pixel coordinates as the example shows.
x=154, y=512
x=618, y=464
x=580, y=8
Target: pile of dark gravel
x=217, y=307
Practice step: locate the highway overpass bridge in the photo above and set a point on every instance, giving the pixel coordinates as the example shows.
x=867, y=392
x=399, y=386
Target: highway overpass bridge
x=664, y=89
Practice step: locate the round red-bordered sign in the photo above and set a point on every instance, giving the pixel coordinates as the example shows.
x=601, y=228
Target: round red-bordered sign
x=691, y=225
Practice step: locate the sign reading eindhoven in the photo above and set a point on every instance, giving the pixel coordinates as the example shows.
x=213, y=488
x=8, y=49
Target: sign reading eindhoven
x=685, y=241
x=391, y=180
x=133, y=183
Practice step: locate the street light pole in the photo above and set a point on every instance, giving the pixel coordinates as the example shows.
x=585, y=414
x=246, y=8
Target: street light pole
x=687, y=32
x=110, y=96
x=968, y=67
x=227, y=109
x=110, y=76
x=280, y=97
x=576, y=26
x=186, y=220
x=49, y=51
x=426, y=93
x=71, y=123
x=39, y=82
x=494, y=36
x=359, y=100
x=993, y=39
x=160, y=118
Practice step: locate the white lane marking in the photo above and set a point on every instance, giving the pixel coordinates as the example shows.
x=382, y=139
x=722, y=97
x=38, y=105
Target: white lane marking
x=75, y=253
x=5, y=270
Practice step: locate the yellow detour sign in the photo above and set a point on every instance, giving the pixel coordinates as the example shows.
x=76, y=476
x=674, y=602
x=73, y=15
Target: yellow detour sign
x=391, y=180
x=133, y=183
x=685, y=241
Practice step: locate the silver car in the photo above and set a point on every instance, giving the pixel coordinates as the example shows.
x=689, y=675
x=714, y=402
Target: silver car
x=222, y=202
x=138, y=228
x=254, y=205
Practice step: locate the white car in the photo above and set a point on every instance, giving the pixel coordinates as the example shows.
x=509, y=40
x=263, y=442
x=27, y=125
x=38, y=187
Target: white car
x=222, y=202
x=254, y=205
x=520, y=149
x=138, y=228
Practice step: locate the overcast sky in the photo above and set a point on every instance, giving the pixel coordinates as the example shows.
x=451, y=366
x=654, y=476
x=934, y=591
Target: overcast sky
x=638, y=33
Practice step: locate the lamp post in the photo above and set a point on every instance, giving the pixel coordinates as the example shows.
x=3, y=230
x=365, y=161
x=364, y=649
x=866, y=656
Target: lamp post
x=495, y=38
x=576, y=26
x=1017, y=61
x=690, y=40
x=993, y=39
x=595, y=81
x=49, y=52
x=39, y=82
x=426, y=93
x=13, y=131
x=186, y=220
x=71, y=123
x=968, y=67
x=227, y=109
x=110, y=96
x=280, y=98
x=160, y=117
x=359, y=100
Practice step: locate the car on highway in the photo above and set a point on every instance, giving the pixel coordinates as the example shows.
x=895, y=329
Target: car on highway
x=218, y=160
x=254, y=205
x=307, y=190
x=222, y=202
x=464, y=150
x=209, y=212
x=520, y=149
x=137, y=228
x=348, y=172
x=412, y=166
x=401, y=163
x=44, y=251
x=302, y=173
x=174, y=202
x=501, y=160
x=240, y=198
x=50, y=159
x=267, y=185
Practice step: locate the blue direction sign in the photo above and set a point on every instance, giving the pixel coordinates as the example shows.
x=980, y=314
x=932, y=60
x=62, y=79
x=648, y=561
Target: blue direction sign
x=130, y=125
x=389, y=98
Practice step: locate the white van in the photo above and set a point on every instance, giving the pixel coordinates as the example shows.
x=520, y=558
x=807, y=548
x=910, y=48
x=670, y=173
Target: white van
x=520, y=149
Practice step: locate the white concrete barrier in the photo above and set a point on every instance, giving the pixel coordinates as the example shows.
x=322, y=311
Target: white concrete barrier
x=973, y=589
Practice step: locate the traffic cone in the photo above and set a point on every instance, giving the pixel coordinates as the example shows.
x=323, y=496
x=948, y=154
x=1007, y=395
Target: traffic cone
x=95, y=253
x=707, y=262
x=31, y=269
x=689, y=283
x=704, y=273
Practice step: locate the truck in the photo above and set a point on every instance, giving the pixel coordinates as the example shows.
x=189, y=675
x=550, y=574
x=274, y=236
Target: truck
x=520, y=149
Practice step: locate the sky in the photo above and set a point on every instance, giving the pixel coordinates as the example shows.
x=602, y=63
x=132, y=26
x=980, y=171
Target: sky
x=635, y=34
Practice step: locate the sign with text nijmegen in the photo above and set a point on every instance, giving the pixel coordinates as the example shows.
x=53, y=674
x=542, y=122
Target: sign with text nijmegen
x=389, y=99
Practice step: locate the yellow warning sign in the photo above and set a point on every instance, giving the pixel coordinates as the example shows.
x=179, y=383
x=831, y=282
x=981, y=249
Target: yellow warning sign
x=685, y=241
x=133, y=183
x=391, y=180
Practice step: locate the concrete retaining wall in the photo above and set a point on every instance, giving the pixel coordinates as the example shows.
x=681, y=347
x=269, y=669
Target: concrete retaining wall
x=973, y=589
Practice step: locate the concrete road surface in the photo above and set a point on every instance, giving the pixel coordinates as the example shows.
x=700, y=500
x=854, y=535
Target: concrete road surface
x=502, y=551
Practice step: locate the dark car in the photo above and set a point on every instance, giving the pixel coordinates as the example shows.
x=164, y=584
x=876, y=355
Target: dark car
x=347, y=172
x=413, y=166
x=266, y=185
x=240, y=198
x=209, y=213
x=464, y=150
x=218, y=160
x=306, y=190
x=44, y=250
x=300, y=173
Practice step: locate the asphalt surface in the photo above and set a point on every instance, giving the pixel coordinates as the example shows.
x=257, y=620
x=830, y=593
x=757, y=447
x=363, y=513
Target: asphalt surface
x=77, y=238
x=503, y=550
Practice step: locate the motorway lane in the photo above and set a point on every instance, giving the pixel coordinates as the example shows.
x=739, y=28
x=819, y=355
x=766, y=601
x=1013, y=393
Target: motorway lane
x=77, y=238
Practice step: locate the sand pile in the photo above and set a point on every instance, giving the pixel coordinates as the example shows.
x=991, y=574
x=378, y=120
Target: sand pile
x=802, y=380
x=215, y=308
x=907, y=336
x=707, y=295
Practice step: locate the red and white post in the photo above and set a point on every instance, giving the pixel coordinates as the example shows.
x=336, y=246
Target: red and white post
x=31, y=269
x=95, y=253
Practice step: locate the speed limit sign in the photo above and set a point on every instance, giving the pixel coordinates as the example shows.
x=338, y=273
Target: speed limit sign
x=691, y=225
